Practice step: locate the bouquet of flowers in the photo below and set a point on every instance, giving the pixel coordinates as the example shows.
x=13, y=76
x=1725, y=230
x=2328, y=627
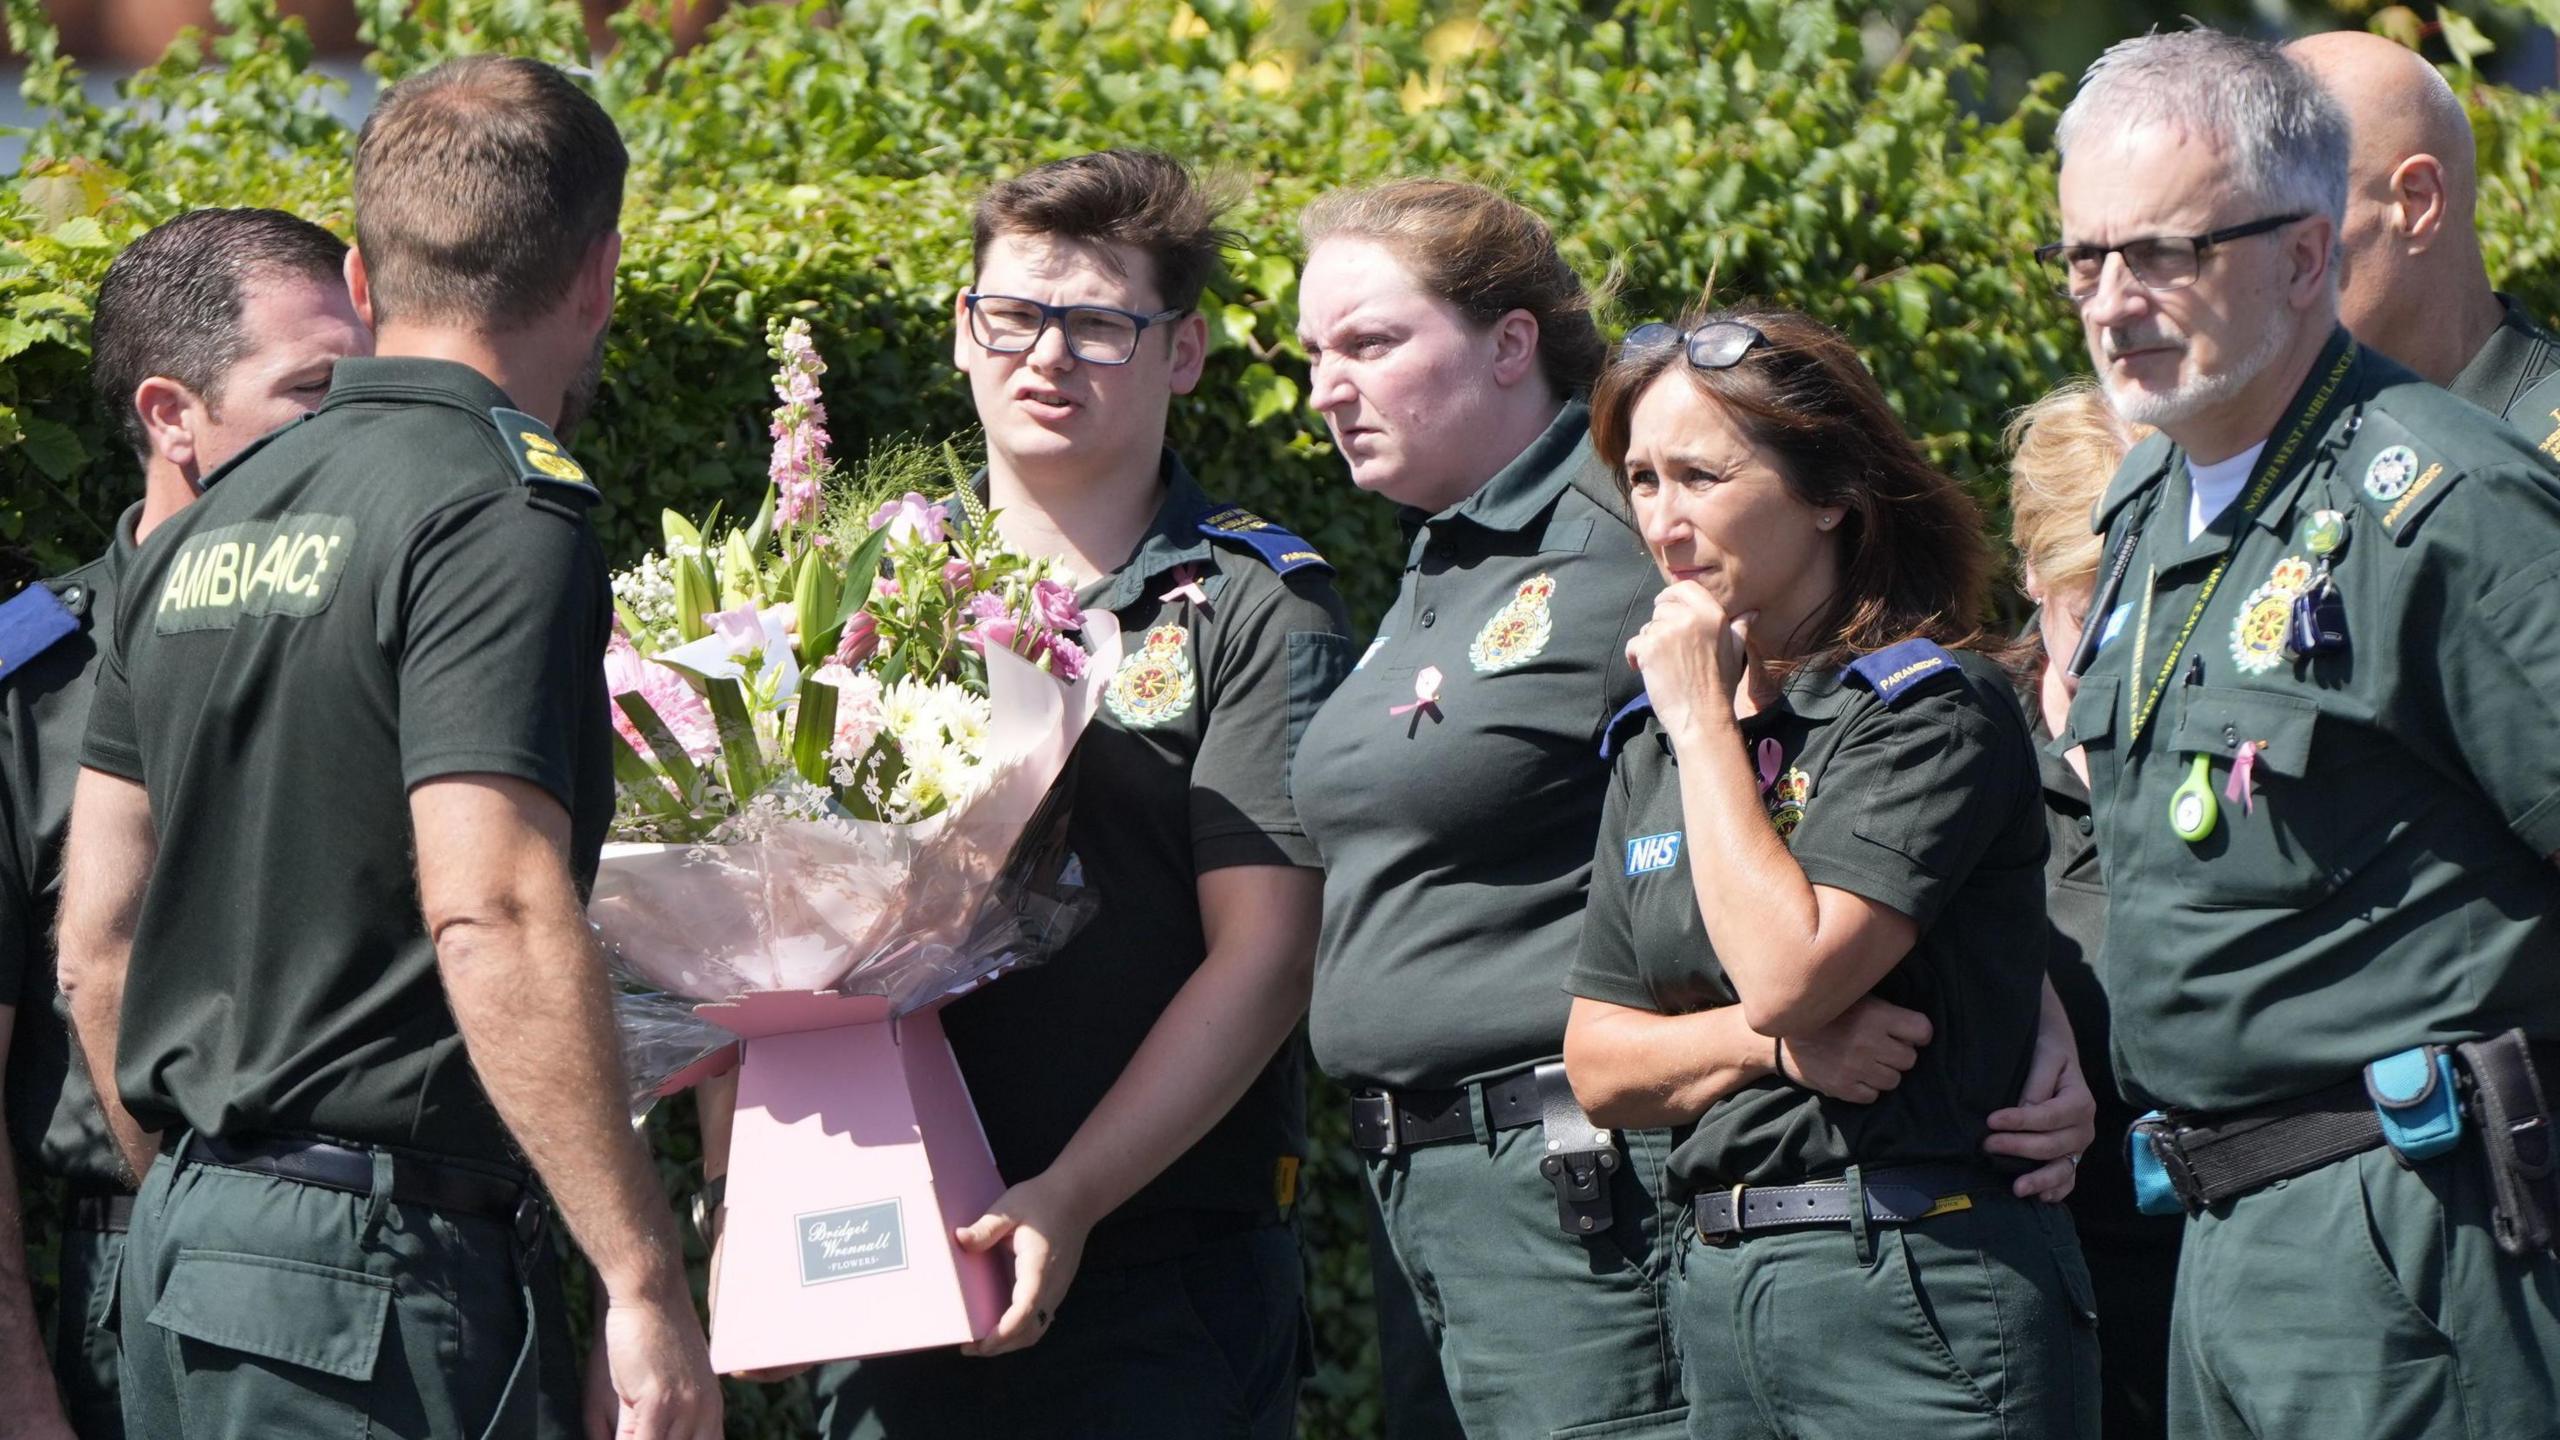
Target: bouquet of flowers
x=840, y=727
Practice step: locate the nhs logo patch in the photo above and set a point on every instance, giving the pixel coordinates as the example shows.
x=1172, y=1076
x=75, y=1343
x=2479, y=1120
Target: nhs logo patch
x=1648, y=853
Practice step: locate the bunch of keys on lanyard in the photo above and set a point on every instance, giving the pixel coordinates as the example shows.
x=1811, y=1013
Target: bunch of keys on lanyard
x=2317, y=622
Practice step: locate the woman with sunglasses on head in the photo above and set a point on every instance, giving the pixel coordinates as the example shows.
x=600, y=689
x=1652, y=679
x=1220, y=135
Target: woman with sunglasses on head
x=1453, y=787
x=1823, y=798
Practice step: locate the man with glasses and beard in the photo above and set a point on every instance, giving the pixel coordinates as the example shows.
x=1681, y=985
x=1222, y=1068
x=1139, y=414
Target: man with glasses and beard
x=346, y=778
x=2317, y=723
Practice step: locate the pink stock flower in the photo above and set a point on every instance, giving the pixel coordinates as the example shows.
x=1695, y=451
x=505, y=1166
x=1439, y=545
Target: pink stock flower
x=799, y=425
x=909, y=517
x=1054, y=605
x=688, y=719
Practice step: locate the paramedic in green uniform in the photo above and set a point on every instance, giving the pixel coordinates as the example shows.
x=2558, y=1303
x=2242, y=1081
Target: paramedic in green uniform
x=1454, y=785
x=346, y=778
x=2318, y=728
x=1142, y=1091
x=2411, y=280
x=209, y=331
x=1819, y=799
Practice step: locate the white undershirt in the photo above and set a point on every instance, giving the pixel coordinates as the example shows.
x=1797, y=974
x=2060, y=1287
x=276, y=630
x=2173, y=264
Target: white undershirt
x=2212, y=488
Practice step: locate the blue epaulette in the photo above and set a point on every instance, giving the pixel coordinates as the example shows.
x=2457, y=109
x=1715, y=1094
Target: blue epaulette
x=30, y=622
x=1627, y=721
x=1894, y=671
x=1279, y=549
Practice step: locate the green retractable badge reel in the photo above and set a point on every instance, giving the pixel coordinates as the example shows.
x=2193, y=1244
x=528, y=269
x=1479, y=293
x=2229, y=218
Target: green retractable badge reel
x=2192, y=808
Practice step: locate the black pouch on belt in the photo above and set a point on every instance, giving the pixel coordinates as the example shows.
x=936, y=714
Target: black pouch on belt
x=2515, y=1132
x=1580, y=1156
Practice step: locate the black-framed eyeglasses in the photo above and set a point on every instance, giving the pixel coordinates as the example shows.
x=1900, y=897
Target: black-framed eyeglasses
x=1096, y=334
x=1716, y=345
x=2160, y=262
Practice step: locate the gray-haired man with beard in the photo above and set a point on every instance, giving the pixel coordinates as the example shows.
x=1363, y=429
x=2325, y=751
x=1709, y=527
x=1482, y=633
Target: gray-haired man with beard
x=2318, y=725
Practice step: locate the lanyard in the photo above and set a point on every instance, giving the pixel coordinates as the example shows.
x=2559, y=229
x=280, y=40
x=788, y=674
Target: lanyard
x=2270, y=473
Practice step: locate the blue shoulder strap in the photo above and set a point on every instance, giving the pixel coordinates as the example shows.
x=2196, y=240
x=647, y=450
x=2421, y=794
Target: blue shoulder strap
x=1894, y=671
x=1626, y=722
x=30, y=622
x=1279, y=549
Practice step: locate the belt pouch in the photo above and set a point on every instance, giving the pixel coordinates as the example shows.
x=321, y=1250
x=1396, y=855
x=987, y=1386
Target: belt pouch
x=1579, y=1158
x=2154, y=1193
x=2515, y=1131
x=2417, y=1102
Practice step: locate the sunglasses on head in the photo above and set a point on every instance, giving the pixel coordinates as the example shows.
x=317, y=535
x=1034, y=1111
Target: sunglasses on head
x=1716, y=345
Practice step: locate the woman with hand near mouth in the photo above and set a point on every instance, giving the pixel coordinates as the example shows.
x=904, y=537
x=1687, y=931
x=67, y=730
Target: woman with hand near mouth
x=1859, y=796
x=1450, y=349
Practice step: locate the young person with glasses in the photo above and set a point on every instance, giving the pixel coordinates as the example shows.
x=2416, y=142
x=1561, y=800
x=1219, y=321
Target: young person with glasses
x=1141, y=1091
x=1823, y=799
x=1454, y=786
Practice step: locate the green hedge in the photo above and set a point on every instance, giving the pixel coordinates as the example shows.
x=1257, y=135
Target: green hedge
x=821, y=159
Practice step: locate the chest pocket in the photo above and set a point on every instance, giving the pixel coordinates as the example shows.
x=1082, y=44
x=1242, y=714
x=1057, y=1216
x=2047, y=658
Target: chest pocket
x=2092, y=721
x=2298, y=838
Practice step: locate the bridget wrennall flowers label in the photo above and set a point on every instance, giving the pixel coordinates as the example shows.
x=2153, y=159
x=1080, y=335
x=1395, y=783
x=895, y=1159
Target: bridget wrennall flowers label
x=844, y=1244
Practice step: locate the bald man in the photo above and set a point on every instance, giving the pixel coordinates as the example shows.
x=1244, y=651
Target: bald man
x=2414, y=285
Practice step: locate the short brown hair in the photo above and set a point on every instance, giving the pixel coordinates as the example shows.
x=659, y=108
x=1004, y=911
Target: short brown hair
x=1144, y=199
x=2063, y=450
x=1481, y=251
x=480, y=187
x=1914, y=559
x=171, y=304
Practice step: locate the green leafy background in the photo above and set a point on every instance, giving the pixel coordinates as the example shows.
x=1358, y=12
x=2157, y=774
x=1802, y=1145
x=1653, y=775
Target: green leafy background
x=820, y=159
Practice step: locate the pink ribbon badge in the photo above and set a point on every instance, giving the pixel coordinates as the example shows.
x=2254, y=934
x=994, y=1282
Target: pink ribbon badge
x=2244, y=769
x=1426, y=693
x=1186, y=586
x=1772, y=755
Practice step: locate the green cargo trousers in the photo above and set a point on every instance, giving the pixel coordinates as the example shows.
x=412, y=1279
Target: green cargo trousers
x=2366, y=1299
x=84, y=1343
x=1975, y=1325
x=1542, y=1335
x=254, y=1306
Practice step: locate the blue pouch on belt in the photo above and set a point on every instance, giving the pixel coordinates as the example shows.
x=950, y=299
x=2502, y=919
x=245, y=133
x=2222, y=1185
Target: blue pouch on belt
x=2414, y=1097
x=2153, y=1194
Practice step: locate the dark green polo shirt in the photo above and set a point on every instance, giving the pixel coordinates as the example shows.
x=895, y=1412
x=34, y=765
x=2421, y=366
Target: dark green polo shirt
x=1184, y=770
x=1927, y=803
x=2385, y=884
x=377, y=596
x=1457, y=836
x=55, y=1127
x=2514, y=375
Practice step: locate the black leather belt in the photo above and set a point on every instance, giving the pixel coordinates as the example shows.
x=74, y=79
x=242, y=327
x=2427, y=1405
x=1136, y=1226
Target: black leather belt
x=1386, y=1121
x=2210, y=1158
x=415, y=1180
x=102, y=1214
x=1898, y=1196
